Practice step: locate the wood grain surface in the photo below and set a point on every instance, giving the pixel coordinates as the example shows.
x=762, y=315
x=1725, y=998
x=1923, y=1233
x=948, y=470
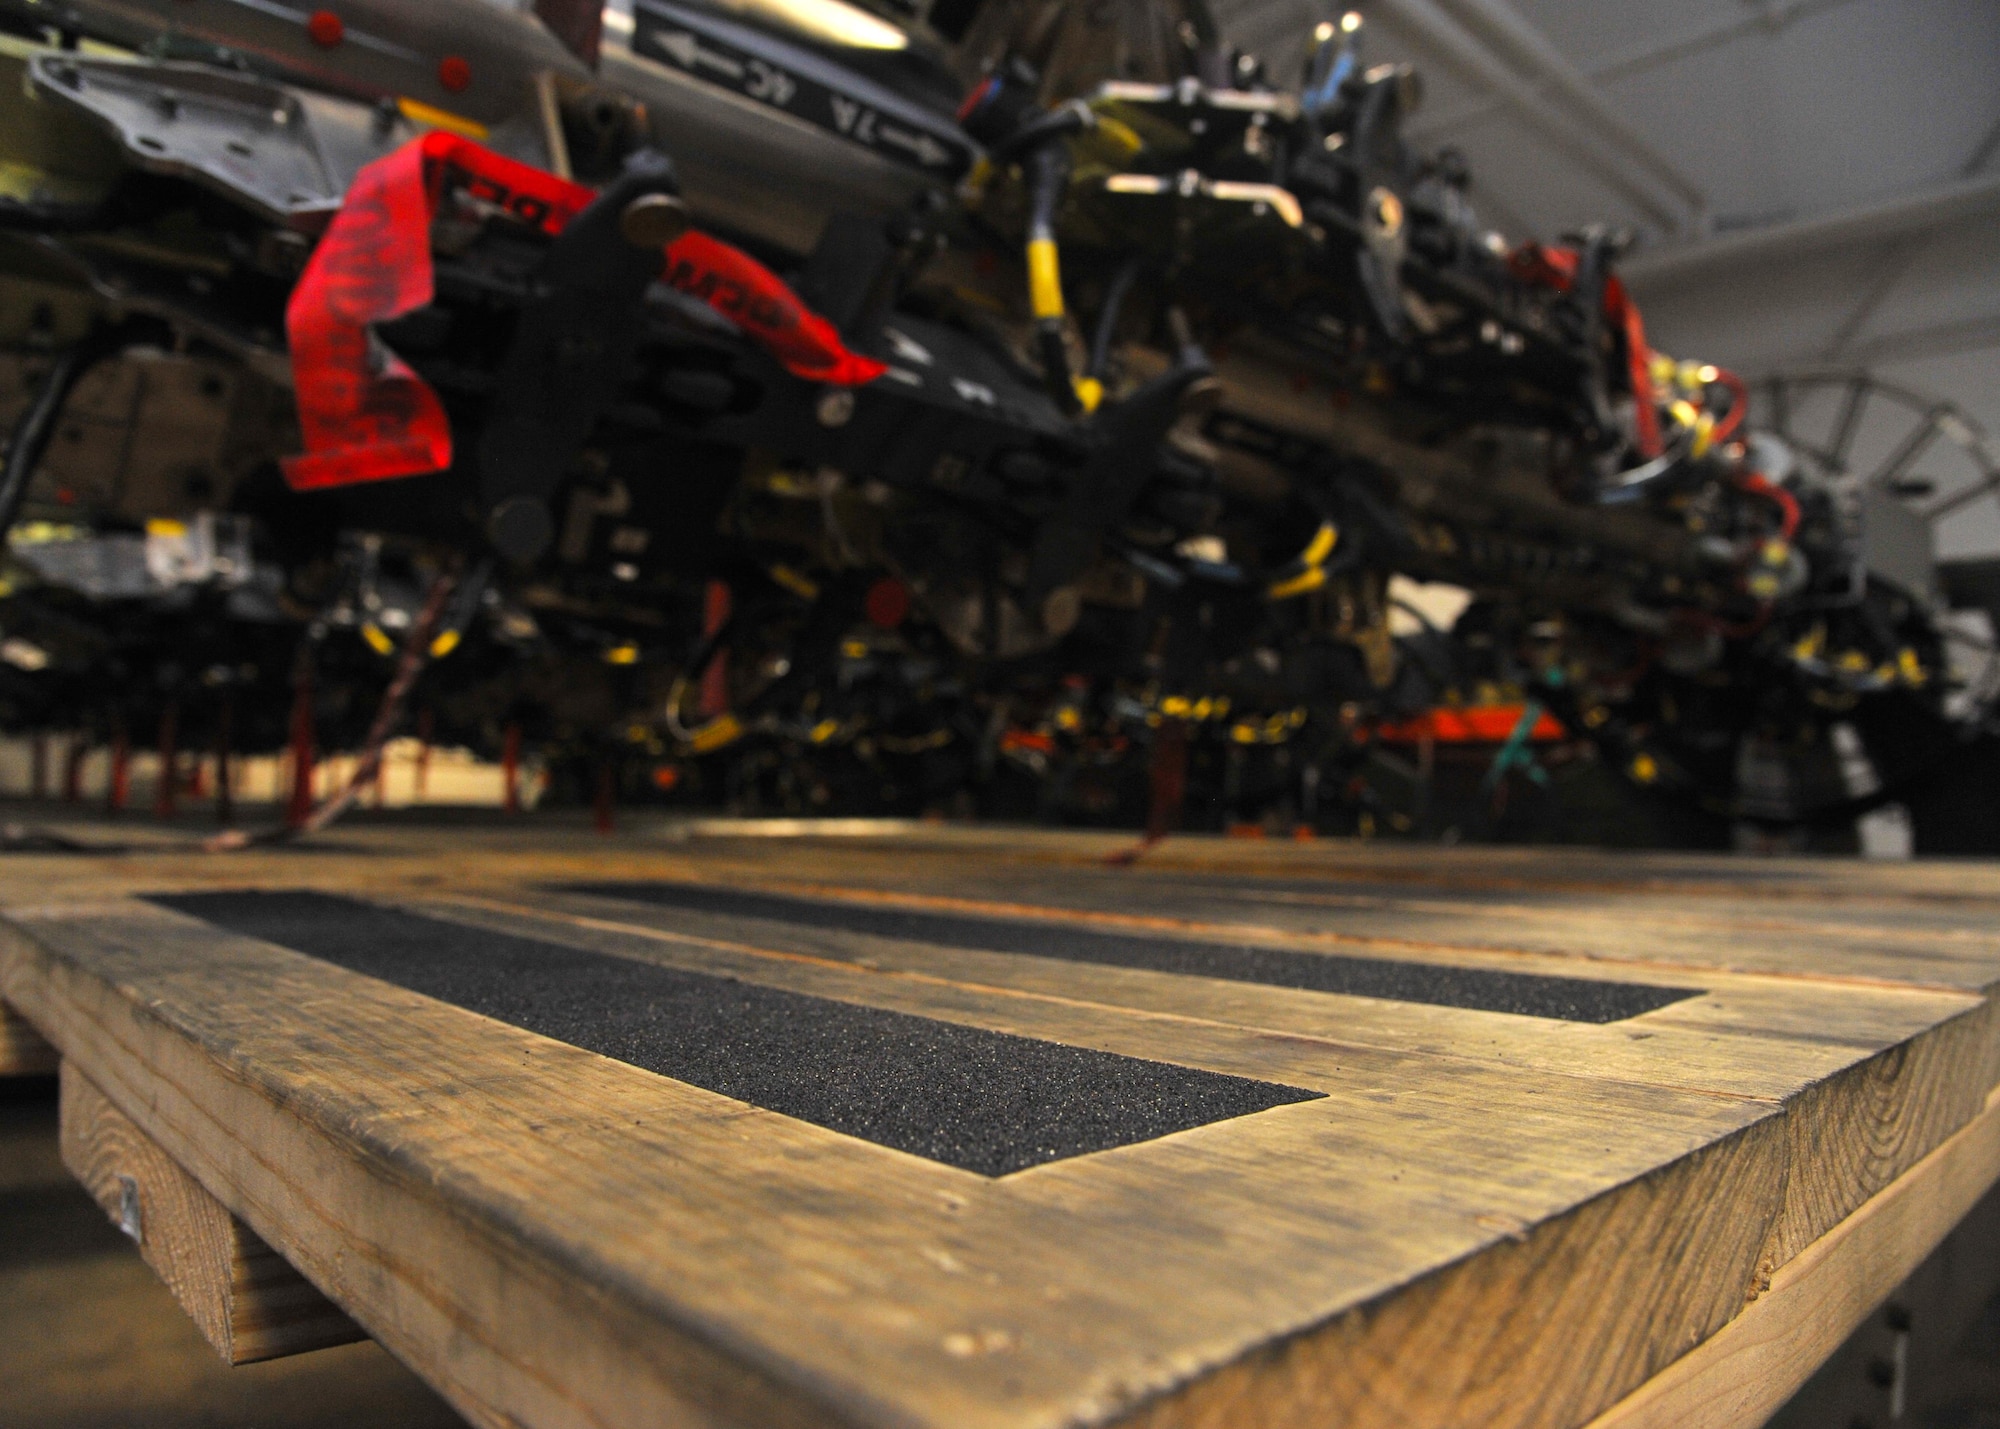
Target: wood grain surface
x=23, y=1052
x=1484, y=1218
x=1746, y=1371
x=247, y=1301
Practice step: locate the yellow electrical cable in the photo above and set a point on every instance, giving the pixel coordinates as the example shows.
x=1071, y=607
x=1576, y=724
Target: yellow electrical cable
x=431, y=117
x=1313, y=558
x=1045, y=295
x=1306, y=581
x=801, y=586
x=715, y=734
x=1323, y=542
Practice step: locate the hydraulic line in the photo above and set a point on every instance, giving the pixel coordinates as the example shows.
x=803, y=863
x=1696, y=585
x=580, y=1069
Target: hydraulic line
x=724, y=728
x=1739, y=405
x=1107, y=319
x=1047, y=169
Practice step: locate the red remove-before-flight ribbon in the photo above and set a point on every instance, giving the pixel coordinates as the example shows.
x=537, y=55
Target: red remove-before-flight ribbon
x=758, y=301
x=366, y=416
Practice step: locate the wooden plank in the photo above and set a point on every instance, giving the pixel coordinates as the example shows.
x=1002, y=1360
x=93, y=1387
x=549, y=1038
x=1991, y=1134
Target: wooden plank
x=1838, y=1026
x=1484, y=1218
x=1640, y=934
x=1881, y=1077
x=1741, y=1375
x=607, y=1229
x=23, y=1051
x=1686, y=876
x=248, y=1302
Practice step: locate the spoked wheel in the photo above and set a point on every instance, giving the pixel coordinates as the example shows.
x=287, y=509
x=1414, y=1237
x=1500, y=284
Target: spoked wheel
x=1921, y=480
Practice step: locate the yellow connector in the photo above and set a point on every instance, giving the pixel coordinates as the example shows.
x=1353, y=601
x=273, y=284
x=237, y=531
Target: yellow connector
x=1304, y=583
x=797, y=584
x=431, y=117
x=1045, y=294
x=716, y=734
x=1323, y=542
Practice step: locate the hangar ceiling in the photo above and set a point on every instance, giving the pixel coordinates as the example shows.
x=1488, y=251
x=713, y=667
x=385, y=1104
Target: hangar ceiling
x=1812, y=183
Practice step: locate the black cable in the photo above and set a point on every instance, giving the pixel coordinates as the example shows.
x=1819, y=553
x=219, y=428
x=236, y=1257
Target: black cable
x=1047, y=170
x=1108, y=315
x=1039, y=132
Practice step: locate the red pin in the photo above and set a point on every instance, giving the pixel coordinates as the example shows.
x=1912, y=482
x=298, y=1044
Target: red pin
x=325, y=29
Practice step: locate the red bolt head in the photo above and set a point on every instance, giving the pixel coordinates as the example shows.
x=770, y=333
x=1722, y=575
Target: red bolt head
x=325, y=29
x=455, y=73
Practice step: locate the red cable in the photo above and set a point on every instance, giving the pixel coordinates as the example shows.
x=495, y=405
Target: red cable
x=1739, y=404
x=1757, y=484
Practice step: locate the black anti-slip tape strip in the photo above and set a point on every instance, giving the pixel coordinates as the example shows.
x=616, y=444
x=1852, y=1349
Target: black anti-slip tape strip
x=1568, y=999
x=983, y=1101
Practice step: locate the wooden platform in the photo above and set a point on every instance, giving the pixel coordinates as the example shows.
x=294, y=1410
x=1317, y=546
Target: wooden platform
x=911, y=1126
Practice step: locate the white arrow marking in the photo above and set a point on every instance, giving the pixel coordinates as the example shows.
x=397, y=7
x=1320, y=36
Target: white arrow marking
x=908, y=348
x=687, y=49
x=926, y=149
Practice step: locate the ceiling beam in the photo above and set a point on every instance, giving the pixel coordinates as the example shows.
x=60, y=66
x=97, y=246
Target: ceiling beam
x=1528, y=51
x=1458, y=49
x=1937, y=340
x=1667, y=267
x=1770, y=21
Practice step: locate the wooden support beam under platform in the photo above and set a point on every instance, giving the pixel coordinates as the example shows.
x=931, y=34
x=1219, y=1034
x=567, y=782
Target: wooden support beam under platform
x=23, y=1052
x=249, y=1304
x=968, y=1128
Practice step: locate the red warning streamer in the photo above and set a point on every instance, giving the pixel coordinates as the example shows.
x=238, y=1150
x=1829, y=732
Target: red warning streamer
x=366, y=416
x=757, y=300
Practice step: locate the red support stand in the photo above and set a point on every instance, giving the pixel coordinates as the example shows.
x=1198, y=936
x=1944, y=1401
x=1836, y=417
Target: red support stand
x=225, y=736
x=165, y=795
x=715, y=679
x=510, y=769
x=1169, y=781
x=120, y=789
x=1168, y=773
x=299, y=807
x=605, y=809
x=426, y=727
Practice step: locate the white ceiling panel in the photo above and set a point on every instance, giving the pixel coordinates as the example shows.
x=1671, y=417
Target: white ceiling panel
x=1780, y=111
